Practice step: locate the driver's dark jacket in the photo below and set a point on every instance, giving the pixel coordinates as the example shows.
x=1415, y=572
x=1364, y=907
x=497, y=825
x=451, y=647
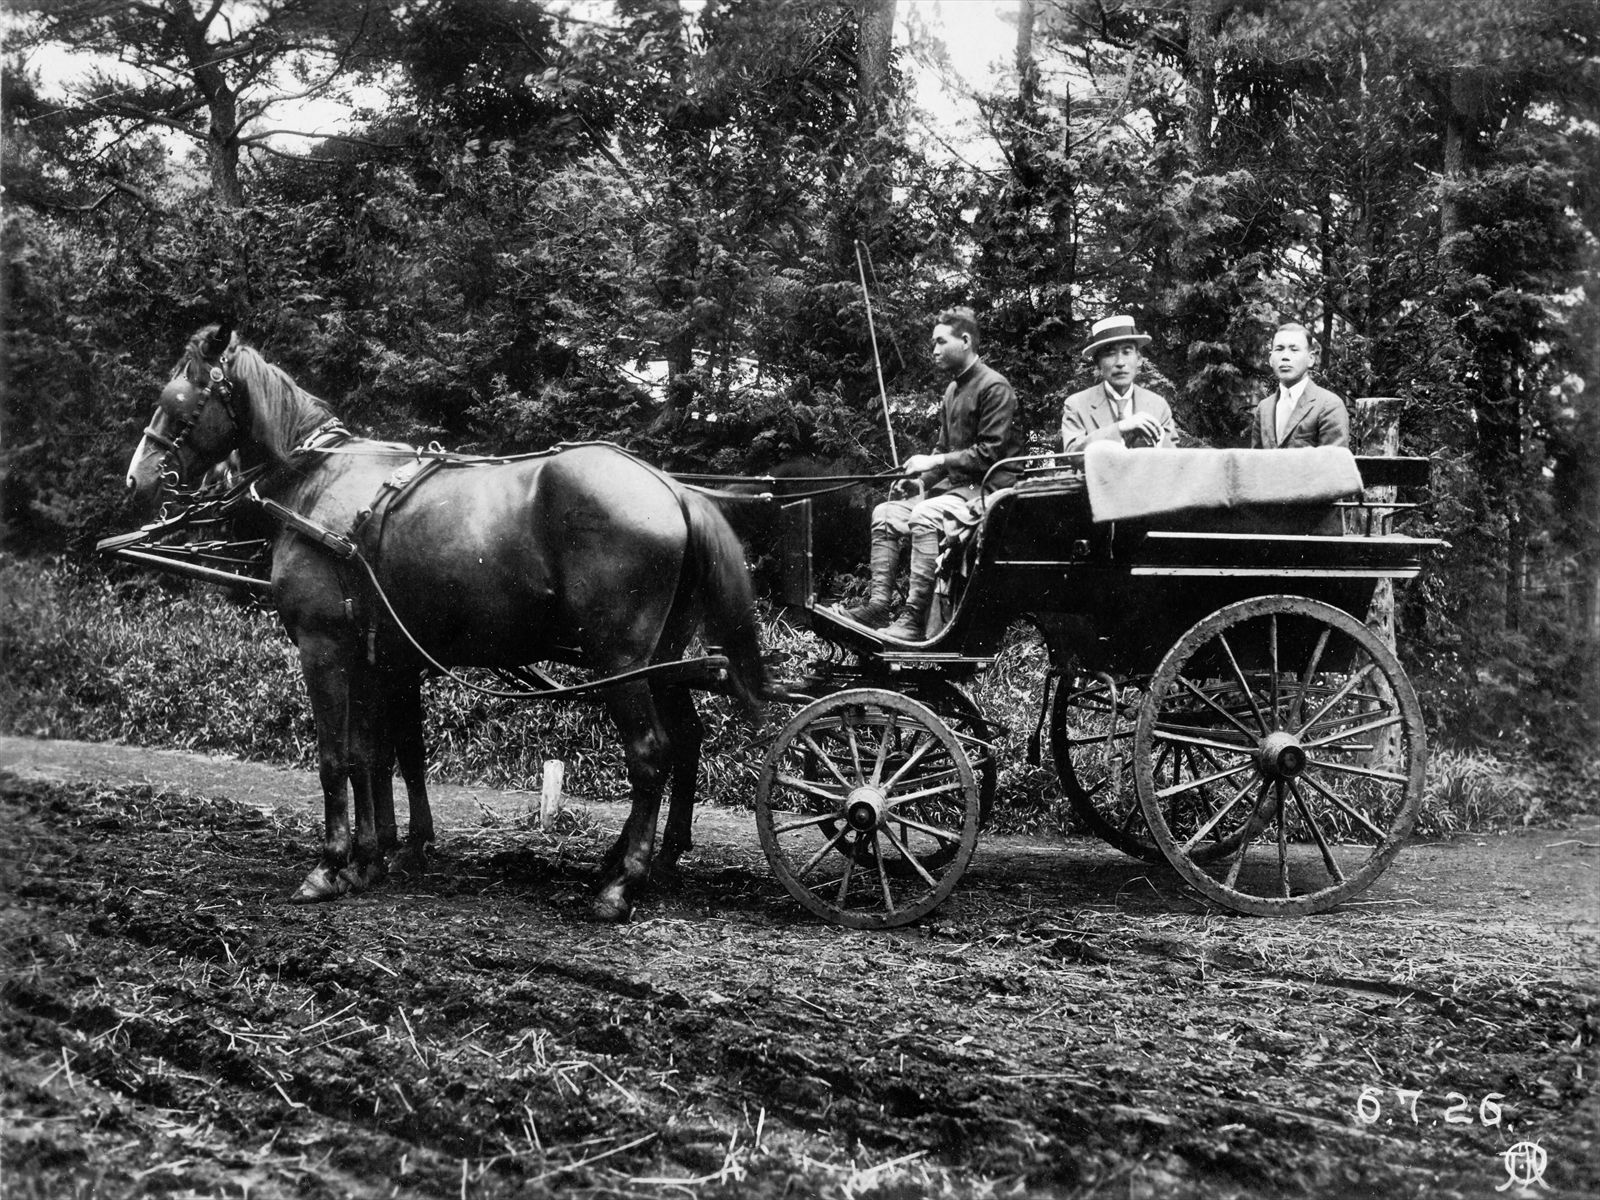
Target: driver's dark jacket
x=977, y=429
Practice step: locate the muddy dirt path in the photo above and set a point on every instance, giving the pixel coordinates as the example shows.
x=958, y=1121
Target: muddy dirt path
x=1070, y=1023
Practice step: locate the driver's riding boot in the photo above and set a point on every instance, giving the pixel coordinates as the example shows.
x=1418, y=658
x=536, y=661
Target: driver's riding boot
x=911, y=624
x=875, y=611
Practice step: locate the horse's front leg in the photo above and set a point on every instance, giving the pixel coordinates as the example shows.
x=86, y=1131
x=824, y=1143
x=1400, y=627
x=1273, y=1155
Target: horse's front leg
x=685, y=735
x=341, y=703
x=325, y=664
x=646, y=749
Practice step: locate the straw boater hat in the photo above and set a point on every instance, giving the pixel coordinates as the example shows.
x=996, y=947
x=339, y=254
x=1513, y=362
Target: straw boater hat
x=1113, y=329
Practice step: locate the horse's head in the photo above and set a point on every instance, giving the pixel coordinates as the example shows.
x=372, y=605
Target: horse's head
x=199, y=420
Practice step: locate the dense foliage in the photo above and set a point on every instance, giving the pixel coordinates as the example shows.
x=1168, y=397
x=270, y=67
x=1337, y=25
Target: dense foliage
x=535, y=208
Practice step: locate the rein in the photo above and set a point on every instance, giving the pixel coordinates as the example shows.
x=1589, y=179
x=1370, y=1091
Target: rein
x=693, y=481
x=839, y=483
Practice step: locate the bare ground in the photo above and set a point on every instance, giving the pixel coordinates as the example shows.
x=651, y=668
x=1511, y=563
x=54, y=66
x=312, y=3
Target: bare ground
x=1070, y=1023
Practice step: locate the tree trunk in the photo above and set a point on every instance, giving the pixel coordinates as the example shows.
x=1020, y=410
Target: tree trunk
x=222, y=107
x=874, y=40
x=1200, y=77
x=1027, y=68
x=1465, y=102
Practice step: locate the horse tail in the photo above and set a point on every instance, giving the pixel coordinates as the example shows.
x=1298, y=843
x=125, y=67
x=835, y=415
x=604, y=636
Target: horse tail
x=727, y=597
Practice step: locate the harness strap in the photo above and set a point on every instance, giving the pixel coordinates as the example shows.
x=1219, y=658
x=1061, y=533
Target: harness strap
x=160, y=439
x=342, y=547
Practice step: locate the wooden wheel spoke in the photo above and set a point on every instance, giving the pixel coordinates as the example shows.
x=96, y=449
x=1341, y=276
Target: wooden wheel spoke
x=1244, y=684
x=952, y=837
x=1100, y=739
x=1227, y=716
x=855, y=745
x=1216, y=817
x=807, y=787
x=1343, y=690
x=1360, y=772
x=905, y=851
x=1217, y=777
x=1385, y=722
x=881, y=760
x=1345, y=807
x=1177, y=735
x=849, y=870
x=923, y=749
x=943, y=789
x=827, y=849
x=1283, y=843
x=806, y=822
x=1316, y=831
x=1273, y=639
x=1310, y=673
x=883, y=884
x=810, y=744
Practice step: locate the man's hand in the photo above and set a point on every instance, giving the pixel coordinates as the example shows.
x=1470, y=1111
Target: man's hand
x=1136, y=426
x=918, y=463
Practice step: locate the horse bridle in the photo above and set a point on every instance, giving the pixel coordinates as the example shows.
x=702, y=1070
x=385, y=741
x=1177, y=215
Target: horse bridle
x=218, y=381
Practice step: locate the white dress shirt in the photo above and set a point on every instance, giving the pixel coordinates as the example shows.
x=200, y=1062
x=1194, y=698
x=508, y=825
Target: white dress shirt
x=1288, y=397
x=1122, y=403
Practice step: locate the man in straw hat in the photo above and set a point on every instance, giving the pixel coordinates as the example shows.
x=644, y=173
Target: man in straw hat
x=977, y=428
x=1116, y=407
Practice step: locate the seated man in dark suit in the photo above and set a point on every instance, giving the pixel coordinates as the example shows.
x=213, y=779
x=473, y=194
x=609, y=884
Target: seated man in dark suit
x=1298, y=413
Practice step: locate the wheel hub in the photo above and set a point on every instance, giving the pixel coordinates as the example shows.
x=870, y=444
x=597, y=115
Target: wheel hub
x=1281, y=756
x=863, y=809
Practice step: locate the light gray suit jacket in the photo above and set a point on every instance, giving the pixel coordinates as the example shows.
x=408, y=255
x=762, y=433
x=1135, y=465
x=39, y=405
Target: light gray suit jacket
x=1090, y=415
x=1319, y=419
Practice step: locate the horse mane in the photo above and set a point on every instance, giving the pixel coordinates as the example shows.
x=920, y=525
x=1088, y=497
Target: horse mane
x=282, y=412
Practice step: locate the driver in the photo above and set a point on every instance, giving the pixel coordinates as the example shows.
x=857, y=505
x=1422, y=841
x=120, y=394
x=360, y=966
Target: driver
x=976, y=430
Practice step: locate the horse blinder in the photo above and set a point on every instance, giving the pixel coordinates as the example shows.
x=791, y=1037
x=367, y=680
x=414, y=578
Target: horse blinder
x=184, y=404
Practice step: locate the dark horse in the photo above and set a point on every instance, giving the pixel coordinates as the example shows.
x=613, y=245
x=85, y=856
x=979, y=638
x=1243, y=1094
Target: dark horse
x=584, y=556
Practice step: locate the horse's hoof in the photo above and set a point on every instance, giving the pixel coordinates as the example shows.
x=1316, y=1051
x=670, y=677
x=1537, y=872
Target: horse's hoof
x=611, y=907
x=322, y=884
x=358, y=877
x=411, y=860
x=666, y=871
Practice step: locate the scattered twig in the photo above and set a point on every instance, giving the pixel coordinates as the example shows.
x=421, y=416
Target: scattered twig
x=593, y=1158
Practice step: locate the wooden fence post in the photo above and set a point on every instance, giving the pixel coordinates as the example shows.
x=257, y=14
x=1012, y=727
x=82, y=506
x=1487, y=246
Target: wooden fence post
x=1375, y=430
x=550, y=793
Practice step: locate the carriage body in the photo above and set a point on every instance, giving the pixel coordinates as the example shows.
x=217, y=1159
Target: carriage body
x=1215, y=684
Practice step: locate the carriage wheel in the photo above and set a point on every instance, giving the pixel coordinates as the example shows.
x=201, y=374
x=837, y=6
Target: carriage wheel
x=867, y=807
x=959, y=711
x=1291, y=728
x=1096, y=770
x=1093, y=749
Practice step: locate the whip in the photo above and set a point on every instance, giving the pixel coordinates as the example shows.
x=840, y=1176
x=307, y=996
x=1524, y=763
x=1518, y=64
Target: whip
x=877, y=362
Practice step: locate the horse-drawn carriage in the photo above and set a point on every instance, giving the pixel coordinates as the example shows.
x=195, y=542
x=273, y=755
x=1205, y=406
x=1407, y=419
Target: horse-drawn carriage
x=1219, y=701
